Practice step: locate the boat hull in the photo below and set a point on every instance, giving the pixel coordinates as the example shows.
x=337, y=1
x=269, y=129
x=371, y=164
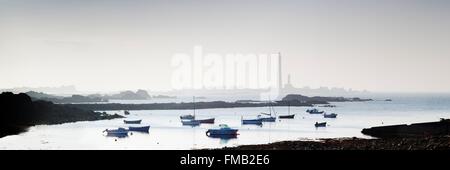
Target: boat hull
x=268, y=119
x=287, y=116
x=139, y=129
x=252, y=122
x=207, y=121
x=219, y=132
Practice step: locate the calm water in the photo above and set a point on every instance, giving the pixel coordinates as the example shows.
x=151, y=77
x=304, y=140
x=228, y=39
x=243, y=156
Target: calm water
x=166, y=131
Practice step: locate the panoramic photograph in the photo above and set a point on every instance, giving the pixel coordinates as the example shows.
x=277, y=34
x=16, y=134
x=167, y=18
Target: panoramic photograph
x=224, y=75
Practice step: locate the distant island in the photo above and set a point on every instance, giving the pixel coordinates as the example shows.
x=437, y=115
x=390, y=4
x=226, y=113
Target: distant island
x=301, y=98
x=19, y=111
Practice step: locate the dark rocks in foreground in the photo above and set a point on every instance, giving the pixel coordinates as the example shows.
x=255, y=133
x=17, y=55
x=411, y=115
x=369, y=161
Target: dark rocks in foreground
x=18, y=112
x=438, y=128
x=426, y=143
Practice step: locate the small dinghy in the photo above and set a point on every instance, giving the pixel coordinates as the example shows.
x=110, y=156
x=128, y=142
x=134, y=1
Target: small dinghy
x=139, y=129
x=331, y=115
x=132, y=121
x=126, y=112
x=120, y=132
x=321, y=124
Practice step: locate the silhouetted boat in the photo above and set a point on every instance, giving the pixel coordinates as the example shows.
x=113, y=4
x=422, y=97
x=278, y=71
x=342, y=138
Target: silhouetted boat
x=208, y=121
x=222, y=131
x=132, y=121
x=120, y=132
x=289, y=116
x=331, y=115
x=314, y=111
x=139, y=129
x=126, y=112
x=190, y=122
x=322, y=124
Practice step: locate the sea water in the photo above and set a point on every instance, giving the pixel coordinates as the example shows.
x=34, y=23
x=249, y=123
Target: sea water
x=167, y=132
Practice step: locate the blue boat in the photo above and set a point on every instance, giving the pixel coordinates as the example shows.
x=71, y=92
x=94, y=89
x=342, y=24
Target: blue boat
x=267, y=119
x=132, y=121
x=120, y=132
x=139, y=129
x=222, y=131
x=251, y=121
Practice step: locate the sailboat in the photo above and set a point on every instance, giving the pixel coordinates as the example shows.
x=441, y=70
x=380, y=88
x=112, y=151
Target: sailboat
x=267, y=117
x=289, y=115
x=190, y=122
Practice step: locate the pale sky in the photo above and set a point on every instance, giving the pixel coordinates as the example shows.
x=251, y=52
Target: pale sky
x=105, y=45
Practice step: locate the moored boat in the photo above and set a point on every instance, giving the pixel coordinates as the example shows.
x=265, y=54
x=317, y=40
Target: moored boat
x=126, y=112
x=251, y=121
x=314, y=111
x=139, y=129
x=331, y=115
x=267, y=118
x=208, y=121
x=132, y=121
x=222, y=131
x=321, y=124
x=119, y=132
x=190, y=122
x=287, y=116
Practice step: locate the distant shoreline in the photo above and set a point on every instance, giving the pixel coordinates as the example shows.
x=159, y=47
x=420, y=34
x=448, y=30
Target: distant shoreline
x=185, y=106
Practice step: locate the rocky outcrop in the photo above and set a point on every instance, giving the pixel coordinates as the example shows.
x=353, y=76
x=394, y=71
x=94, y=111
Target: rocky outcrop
x=18, y=112
x=439, y=128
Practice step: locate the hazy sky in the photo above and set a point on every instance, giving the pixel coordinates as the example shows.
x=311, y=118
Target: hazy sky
x=108, y=45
